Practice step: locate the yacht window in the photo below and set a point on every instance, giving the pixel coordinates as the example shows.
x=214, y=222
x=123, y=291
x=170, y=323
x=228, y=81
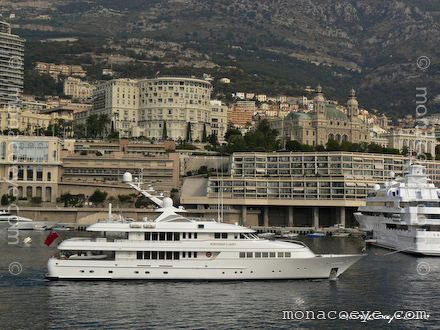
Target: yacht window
x=153, y=254
x=248, y=254
x=257, y=254
x=189, y=235
x=287, y=254
x=195, y=235
x=183, y=254
x=280, y=254
x=195, y=254
x=169, y=236
x=154, y=236
x=139, y=255
x=201, y=226
x=217, y=235
x=242, y=236
x=161, y=236
x=272, y=254
x=242, y=254
x=224, y=235
x=235, y=236
x=161, y=255
x=183, y=235
x=265, y=254
x=147, y=255
x=176, y=256
x=176, y=236
x=169, y=255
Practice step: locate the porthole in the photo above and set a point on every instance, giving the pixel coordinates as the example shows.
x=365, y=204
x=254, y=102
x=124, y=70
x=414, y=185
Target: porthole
x=165, y=272
x=81, y=271
x=136, y=272
x=147, y=272
x=91, y=271
x=223, y=272
x=252, y=271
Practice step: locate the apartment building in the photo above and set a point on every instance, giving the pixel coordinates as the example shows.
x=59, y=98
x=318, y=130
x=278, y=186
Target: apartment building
x=299, y=185
x=11, y=66
x=78, y=89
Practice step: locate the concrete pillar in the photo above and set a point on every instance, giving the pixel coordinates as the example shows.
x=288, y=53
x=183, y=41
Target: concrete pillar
x=266, y=216
x=315, y=212
x=290, y=216
x=342, y=216
x=243, y=215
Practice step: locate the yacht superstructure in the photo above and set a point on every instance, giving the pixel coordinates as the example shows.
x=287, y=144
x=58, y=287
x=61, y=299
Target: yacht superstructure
x=175, y=247
x=404, y=214
x=8, y=220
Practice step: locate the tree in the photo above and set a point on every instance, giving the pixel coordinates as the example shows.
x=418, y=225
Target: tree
x=213, y=140
x=164, y=131
x=332, y=145
x=98, y=196
x=188, y=133
x=204, y=134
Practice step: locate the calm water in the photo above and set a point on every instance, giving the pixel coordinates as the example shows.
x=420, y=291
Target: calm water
x=378, y=282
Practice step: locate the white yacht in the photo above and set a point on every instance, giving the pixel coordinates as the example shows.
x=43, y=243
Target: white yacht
x=404, y=214
x=7, y=220
x=174, y=247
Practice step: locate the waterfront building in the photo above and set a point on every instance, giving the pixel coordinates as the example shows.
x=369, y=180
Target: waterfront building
x=77, y=89
x=324, y=123
x=182, y=103
x=119, y=100
x=11, y=66
x=291, y=188
x=30, y=166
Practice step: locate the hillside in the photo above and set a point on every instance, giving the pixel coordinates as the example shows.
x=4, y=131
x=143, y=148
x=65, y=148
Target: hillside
x=267, y=46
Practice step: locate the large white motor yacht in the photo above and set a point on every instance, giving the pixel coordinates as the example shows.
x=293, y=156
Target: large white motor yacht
x=404, y=214
x=174, y=247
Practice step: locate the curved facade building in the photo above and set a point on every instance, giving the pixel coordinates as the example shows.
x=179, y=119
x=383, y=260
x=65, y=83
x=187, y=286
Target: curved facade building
x=181, y=103
x=11, y=66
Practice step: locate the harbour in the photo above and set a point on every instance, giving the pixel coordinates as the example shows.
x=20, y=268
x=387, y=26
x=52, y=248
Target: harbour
x=381, y=281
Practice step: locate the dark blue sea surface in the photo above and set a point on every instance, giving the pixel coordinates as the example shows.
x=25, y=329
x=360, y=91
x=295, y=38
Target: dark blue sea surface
x=381, y=282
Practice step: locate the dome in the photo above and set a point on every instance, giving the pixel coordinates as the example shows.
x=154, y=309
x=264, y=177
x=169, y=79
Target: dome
x=127, y=177
x=319, y=97
x=352, y=102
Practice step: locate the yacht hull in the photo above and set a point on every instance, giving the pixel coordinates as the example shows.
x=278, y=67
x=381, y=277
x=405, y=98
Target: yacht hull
x=318, y=267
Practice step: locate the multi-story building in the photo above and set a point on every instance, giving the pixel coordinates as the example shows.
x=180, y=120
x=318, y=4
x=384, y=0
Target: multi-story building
x=30, y=166
x=421, y=140
x=27, y=121
x=293, y=188
x=78, y=89
x=56, y=70
x=11, y=66
x=241, y=113
x=325, y=123
x=219, y=119
x=182, y=103
x=119, y=100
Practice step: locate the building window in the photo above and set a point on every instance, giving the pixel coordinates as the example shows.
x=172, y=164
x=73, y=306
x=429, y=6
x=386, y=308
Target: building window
x=139, y=255
x=161, y=255
x=154, y=236
x=224, y=235
x=177, y=236
x=217, y=235
x=148, y=236
x=242, y=254
x=169, y=236
x=147, y=255
x=248, y=254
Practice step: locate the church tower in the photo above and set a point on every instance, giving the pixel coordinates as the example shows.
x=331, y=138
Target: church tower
x=319, y=103
x=352, y=105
